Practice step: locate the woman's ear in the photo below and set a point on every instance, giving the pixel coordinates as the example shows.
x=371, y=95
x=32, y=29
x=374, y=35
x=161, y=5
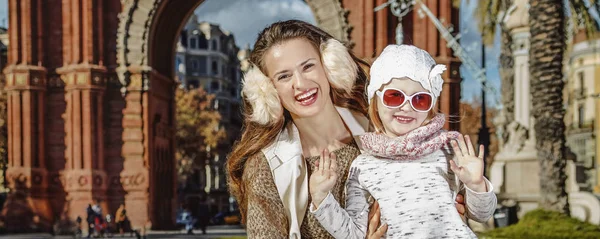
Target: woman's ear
x=262, y=96
x=340, y=67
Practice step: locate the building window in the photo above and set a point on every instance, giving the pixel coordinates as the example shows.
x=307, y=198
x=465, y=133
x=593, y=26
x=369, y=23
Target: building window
x=202, y=42
x=193, y=42
x=581, y=115
x=214, y=86
x=193, y=84
x=215, y=45
x=203, y=69
x=581, y=77
x=195, y=64
x=215, y=67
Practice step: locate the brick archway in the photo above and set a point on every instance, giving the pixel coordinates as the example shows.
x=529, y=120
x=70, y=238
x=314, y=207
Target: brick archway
x=90, y=99
x=146, y=71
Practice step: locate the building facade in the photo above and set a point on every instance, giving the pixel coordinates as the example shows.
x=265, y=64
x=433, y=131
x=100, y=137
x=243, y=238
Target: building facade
x=583, y=72
x=207, y=57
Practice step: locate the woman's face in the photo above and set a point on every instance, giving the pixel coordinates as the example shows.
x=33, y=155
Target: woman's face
x=400, y=121
x=299, y=77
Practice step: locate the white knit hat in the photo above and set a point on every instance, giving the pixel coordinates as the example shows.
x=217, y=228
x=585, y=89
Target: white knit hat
x=397, y=61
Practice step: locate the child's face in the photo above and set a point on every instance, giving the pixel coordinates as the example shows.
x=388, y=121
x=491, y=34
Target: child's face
x=400, y=121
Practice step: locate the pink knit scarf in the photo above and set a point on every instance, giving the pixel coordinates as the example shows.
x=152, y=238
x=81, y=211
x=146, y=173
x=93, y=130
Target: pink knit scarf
x=421, y=141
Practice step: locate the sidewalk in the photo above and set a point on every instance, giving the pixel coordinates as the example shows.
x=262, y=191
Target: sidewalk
x=216, y=232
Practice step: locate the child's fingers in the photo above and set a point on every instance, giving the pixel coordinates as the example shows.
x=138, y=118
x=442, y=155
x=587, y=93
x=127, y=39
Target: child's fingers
x=456, y=149
x=470, y=145
x=454, y=167
x=461, y=143
x=481, y=151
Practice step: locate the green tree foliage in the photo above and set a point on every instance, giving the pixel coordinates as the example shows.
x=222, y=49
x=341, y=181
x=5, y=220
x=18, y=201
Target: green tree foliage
x=197, y=129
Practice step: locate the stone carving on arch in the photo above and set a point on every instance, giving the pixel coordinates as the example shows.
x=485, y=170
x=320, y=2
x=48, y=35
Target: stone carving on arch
x=137, y=16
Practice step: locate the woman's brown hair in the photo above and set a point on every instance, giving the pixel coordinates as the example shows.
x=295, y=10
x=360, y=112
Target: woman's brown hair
x=255, y=137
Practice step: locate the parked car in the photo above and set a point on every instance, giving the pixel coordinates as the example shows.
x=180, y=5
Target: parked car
x=228, y=218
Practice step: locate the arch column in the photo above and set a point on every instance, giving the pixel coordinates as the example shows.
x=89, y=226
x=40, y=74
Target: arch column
x=28, y=202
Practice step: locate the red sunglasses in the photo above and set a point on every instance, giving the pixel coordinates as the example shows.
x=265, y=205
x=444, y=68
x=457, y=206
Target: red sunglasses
x=395, y=98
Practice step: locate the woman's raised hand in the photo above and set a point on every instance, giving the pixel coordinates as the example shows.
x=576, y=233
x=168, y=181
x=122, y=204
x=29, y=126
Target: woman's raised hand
x=323, y=178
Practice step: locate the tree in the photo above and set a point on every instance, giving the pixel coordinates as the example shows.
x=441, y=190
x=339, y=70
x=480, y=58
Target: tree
x=470, y=123
x=197, y=129
x=548, y=43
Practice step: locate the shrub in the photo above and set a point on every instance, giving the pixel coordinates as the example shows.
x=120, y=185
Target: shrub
x=541, y=224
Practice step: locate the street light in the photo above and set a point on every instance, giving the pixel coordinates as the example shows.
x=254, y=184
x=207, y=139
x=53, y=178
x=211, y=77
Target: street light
x=484, y=132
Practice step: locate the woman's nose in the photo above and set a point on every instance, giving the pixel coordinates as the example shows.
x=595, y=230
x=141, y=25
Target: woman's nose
x=299, y=81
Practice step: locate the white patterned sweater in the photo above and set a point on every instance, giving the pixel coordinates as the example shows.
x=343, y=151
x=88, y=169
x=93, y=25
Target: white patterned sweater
x=416, y=199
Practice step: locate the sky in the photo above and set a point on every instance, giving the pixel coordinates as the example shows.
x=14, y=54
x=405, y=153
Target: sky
x=3, y=13
x=245, y=18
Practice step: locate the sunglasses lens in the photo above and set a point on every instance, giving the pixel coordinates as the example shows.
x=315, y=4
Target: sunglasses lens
x=422, y=101
x=393, y=98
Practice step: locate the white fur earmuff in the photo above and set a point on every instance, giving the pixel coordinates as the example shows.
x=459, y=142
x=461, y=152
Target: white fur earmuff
x=340, y=67
x=261, y=94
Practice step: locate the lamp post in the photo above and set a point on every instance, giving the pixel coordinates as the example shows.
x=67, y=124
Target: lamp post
x=484, y=130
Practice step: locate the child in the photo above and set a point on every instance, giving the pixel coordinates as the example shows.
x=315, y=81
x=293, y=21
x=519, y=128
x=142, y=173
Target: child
x=405, y=163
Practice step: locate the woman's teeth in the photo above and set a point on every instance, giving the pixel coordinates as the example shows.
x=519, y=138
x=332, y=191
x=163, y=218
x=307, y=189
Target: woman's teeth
x=306, y=95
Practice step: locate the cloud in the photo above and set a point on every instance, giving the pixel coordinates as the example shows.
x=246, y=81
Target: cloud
x=246, y=18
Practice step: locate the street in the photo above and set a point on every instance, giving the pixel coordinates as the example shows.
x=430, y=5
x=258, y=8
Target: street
x=220, y=232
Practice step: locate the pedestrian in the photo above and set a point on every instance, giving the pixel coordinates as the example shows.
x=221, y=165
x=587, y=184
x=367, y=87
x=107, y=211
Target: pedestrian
x=91, y=219
x=404, y=164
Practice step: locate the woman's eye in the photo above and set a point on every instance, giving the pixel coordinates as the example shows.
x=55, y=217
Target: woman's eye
x=308, y=66
x=283, y=76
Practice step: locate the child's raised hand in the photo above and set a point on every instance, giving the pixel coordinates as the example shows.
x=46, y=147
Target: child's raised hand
x=470, y=171
x=323, y=178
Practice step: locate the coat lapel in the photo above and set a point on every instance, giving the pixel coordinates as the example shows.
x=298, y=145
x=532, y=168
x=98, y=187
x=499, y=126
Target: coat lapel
x=289, y=167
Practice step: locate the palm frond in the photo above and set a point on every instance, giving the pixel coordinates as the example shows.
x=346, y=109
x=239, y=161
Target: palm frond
x=580, y=15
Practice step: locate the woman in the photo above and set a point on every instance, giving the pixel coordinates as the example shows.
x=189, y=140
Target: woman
x=303, y=94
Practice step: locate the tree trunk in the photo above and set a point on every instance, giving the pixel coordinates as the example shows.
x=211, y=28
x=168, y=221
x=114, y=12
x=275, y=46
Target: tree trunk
x=547, y=27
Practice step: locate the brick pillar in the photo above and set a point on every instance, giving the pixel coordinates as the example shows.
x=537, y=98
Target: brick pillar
x=27, y=207
x=28, y=202
x=135, y=174
x=84, y=177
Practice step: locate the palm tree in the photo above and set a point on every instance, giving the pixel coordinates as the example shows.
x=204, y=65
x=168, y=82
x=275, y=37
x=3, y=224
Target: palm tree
x=548, y=43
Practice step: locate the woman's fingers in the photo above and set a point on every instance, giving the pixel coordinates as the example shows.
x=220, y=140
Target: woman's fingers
x=380, y=232
x=470, y=146
x=374, y=221
x=460, y=204
x=321, y=163
x=327, y=160
x=333, y=160
x=373, y=209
